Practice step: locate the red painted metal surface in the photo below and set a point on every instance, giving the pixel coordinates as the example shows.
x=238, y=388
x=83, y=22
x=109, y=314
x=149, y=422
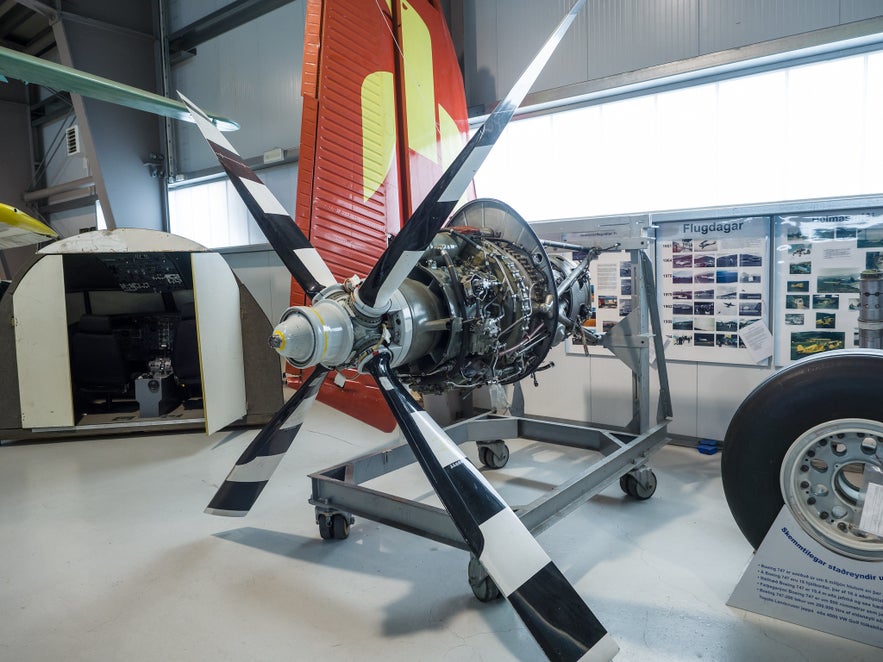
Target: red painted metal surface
x=356, y=120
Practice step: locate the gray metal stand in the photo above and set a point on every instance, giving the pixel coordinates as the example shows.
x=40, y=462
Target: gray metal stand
x=339, y=492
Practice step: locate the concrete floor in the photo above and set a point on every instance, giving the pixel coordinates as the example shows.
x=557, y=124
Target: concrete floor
x=106, y=555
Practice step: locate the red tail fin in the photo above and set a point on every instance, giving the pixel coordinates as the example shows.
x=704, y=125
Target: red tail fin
x=384, y=114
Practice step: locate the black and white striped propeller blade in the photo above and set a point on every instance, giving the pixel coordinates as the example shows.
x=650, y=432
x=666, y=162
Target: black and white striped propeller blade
x=557, y=617
x=255, y=466
x=286, y=238
x=405, y=250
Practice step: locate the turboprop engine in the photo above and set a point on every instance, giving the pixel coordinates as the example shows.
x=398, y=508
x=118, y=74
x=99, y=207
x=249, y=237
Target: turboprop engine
x=483, y=305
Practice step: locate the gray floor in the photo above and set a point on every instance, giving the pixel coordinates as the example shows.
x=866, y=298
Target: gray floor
x=106, y=555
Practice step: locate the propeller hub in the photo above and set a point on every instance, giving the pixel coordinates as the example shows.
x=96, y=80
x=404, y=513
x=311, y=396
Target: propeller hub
x=309, y=335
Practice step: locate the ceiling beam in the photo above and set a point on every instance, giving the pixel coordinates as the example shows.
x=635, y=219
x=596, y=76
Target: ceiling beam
x=218, y=22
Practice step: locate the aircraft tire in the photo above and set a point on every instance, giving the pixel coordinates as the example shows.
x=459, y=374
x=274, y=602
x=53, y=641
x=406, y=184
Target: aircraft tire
x=837, y=385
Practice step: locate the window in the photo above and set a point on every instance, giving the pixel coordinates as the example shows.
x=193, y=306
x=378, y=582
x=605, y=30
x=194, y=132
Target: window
x=809, y=131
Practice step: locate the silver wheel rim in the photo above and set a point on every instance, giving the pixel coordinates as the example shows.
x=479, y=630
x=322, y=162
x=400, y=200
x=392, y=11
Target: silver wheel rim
x=821, y=478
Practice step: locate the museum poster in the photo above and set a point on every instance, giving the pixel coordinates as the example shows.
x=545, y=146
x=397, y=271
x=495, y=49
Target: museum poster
x=611, y=278
x=713, y=282
x=819, y=260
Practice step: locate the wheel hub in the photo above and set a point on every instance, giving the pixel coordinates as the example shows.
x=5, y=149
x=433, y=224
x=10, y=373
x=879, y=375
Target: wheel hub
x=822, y=479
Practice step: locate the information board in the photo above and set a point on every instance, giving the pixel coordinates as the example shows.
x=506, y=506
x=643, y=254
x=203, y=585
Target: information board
x=611, y=277
x=713, y=282
x=819, y=260
x=793, y=578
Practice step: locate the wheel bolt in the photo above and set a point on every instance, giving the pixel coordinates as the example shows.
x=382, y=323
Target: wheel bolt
x=823, y=515
x=803, y=484
x=841, y=526
x=804, y=468
x=810, y=453
x=811, y=501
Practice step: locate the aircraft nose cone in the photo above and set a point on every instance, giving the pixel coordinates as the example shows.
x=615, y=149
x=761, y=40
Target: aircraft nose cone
x=294, y=338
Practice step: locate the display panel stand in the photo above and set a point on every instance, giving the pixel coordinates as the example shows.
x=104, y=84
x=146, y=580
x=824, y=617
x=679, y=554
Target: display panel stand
x=793, y=578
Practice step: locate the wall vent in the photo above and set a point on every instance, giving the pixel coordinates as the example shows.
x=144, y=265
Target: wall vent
x=72, y=139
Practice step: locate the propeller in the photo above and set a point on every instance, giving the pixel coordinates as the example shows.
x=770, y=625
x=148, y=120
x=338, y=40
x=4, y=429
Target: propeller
x=346, y=328
x=405, y=250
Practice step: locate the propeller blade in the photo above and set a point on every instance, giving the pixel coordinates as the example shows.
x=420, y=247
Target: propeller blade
x=557, y=617
x=36, y=70
x=303, y=261
x=255, y=466
x=405, y=250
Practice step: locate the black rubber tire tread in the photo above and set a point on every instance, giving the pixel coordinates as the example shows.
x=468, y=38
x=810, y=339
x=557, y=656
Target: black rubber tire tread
x=829, y=386
x=340, y=527
x=325, y=527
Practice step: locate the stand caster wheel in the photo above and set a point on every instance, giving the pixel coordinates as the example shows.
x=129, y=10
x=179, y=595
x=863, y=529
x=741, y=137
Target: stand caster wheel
x=494, y=455
x=334, y=527
x=637, y=489
x=483, y=587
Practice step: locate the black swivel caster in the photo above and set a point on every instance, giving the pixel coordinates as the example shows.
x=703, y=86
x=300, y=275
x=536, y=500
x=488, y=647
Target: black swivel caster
x=639, y=487
x=334, y=526
x=493, y=454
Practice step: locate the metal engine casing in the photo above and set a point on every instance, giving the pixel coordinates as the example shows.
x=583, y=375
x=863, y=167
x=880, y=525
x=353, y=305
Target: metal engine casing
x=494, y=292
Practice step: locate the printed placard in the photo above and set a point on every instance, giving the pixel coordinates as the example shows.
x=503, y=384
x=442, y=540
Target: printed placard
x=819, y=260
x=793, y=578
x=712, y=282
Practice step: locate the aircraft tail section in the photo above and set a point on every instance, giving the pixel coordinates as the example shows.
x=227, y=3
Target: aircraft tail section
x=384, y=115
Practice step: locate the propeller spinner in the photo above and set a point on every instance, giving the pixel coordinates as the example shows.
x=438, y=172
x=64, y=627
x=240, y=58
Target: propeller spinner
x=473, y=303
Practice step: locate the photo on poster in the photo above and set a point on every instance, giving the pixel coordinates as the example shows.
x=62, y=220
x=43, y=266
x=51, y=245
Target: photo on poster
x=730, y=325
x=800, y=267
x=705, y=261
x=798, y=286
x=703, y=339
x=870, y=237
x=727, y=260
x=607, y=301
x=682, y=246
x=797, y=301
x=794, y=319
x=703, y=294
x=807, y=343
x=727, y=340
x=703, y=324
x=874, y=260
x=682, y=308
x=683, y=261
x=826, y=321
x=838, y=281
x=750, y=308
x=826, y=301
x=680, y=295
x=751, y=276
x=750, y=260
x=682, y=339
x=725, y=307
x=682, y=323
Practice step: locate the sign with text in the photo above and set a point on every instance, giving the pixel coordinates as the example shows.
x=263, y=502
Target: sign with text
x=712, y=278
x=819, y=260
x=793, y=578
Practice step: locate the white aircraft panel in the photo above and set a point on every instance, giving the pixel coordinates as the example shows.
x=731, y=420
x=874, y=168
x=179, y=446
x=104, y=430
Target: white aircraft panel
x=220, y=340
x=44, y=378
